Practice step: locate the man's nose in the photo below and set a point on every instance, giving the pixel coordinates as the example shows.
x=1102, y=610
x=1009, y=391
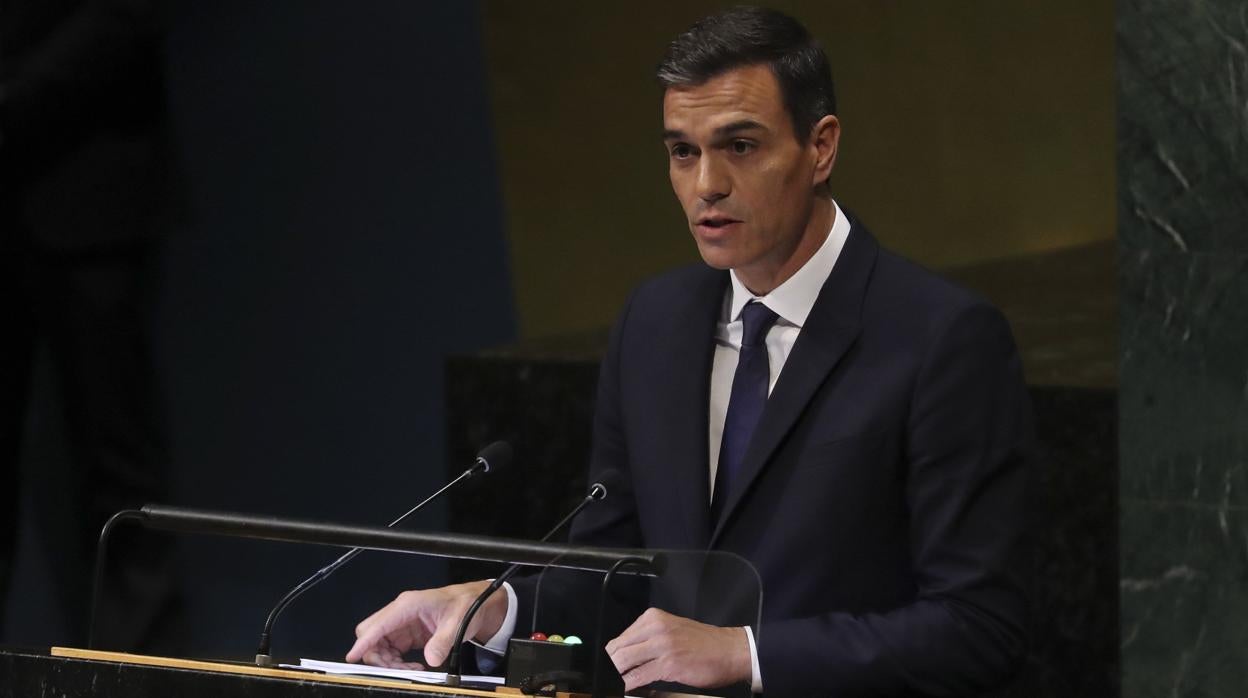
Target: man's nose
x=713, y=182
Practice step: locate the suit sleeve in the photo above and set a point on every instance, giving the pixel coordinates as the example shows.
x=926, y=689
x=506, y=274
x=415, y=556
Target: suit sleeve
x=968, y=444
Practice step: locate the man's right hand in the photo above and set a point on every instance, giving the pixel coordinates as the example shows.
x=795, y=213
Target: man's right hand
x=428, y=619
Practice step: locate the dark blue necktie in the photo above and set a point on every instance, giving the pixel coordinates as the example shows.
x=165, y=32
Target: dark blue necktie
x=745, y=404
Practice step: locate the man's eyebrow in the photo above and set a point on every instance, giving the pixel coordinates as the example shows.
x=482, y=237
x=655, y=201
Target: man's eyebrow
x=738, y=126
x=720, y=132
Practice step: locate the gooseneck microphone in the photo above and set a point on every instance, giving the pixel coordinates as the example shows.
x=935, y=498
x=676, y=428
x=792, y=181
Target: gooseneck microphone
x=496, y=455
x=607, y=480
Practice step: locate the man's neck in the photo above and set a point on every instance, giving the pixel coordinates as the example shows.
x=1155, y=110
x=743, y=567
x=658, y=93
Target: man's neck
x=765, y=277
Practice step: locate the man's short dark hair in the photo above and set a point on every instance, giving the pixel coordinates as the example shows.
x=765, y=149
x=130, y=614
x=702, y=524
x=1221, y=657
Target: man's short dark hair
x=744, y=36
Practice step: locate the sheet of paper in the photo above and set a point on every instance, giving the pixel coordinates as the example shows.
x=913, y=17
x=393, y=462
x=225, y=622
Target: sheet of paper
x=433, y=677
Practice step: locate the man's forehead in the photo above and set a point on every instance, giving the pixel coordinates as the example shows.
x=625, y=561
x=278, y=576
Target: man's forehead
x=747, y=94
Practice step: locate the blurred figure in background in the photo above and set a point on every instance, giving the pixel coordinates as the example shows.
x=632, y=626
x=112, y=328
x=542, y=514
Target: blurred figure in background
x=86, y=193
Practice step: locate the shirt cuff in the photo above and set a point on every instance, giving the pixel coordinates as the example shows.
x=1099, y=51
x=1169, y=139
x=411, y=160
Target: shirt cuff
x=756, y=675
x=498, y=643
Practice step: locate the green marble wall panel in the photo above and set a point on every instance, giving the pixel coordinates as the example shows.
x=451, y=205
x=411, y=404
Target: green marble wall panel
x=1183, y=609
x=1182, y=124
x=1184, y=474
x=1183, y=347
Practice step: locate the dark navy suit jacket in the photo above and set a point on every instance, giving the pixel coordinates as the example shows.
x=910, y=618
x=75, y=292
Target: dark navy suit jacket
x=884, y=493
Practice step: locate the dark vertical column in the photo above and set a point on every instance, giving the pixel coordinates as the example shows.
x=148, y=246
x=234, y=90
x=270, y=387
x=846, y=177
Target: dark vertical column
x=1183, y=203
x=344, y=234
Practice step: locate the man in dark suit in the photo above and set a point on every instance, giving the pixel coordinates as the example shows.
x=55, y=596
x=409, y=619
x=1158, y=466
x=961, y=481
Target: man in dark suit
x=849, y=423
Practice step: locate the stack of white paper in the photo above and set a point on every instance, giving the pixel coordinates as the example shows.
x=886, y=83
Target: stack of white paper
x=434, y=677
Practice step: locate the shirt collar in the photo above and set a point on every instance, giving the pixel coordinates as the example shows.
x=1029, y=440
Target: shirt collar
x=793, y=299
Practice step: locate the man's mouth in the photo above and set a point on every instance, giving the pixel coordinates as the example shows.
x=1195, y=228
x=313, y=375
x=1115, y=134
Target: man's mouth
x=716, y=222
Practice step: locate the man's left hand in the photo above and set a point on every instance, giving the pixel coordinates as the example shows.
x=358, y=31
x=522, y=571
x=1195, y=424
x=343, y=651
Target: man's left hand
x=659, y=646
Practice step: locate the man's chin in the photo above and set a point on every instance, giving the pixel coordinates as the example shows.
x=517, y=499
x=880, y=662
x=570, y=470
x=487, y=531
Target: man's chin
x=714, y=263
x=715, y=256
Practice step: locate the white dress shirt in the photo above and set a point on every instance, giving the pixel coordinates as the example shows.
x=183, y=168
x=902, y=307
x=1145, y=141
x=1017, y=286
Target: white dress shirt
x=792, y=301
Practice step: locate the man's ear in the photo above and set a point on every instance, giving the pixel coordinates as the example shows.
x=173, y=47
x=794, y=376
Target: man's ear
x=824, y=138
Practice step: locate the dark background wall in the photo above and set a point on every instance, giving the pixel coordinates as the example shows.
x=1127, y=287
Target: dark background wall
x=342, y=233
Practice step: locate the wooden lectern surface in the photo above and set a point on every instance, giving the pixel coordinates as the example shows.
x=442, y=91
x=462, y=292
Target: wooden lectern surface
x=72, y=673
x=247, y=670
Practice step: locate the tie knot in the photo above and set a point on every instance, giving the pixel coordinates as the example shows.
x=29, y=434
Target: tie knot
x=757, y=319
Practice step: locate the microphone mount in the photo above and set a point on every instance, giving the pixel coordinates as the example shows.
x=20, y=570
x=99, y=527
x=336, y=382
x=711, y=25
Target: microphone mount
x=272, y=528
x=597, y=492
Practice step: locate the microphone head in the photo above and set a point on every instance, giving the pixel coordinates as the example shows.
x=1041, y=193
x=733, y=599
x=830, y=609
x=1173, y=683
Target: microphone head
x=606, y=481
x=496, y=455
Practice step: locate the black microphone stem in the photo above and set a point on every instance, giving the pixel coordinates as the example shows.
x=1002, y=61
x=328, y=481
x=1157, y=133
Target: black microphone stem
x=452, y=664
x=263, y=658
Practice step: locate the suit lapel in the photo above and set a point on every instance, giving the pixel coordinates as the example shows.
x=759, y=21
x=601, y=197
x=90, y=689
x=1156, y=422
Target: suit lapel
x=688, y=345
x=829, y=332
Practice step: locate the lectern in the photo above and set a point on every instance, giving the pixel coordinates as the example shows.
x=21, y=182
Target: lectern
x=714, y=587
x=73, y=673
